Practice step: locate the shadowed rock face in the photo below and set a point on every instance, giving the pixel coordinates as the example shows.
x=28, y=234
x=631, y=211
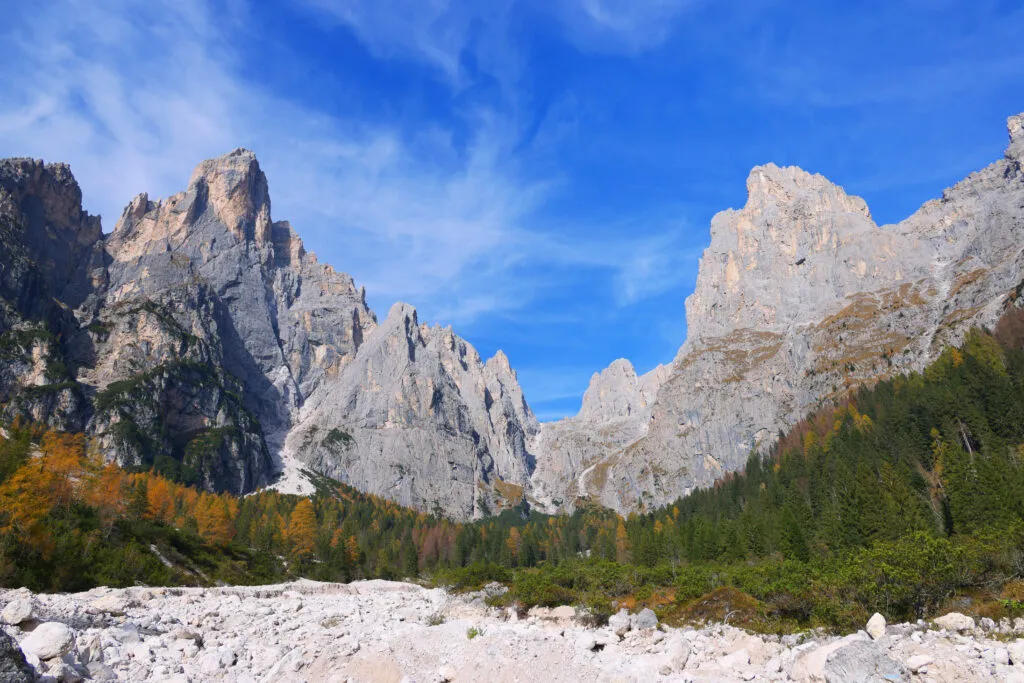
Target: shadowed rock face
x=199, y=335
x=800, y=297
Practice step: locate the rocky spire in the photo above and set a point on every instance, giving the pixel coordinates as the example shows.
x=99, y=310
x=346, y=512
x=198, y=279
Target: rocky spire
x=1015, y=127
x=235, y=188
x=799, y=244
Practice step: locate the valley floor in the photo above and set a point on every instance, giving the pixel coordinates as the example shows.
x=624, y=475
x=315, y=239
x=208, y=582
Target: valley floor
x=387, y=631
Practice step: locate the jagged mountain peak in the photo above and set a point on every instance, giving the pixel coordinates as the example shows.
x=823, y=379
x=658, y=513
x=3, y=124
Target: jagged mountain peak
x=215, y=344
x=401, y=310
x=230, y=189
x=800, y=298
x=499, y=363
x=235, y=188
x=771, y=186
x=1015, y=128
x=54, y=195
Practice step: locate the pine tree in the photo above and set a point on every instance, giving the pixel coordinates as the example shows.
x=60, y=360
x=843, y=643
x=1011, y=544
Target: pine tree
x=138, y=503
x=622, y=545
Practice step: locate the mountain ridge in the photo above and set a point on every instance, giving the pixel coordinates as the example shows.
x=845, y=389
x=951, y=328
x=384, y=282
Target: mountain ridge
x=800, y=298
x=200, y=338
x=203, y=329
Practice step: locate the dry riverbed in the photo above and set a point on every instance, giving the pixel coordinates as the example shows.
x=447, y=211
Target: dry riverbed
x=387, y=631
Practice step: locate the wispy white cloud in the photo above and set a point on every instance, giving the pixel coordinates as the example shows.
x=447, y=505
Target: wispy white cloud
x=134, y=105
x=621, y=26
x=440, y=32
x=436, y=32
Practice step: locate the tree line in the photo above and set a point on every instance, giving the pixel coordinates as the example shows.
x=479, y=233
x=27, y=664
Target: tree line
x=899, y=498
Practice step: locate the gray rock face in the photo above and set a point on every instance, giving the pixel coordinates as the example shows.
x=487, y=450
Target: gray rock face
x=800, y=298
x=862, y=662
x=13, y=667
x=417, y=416
x=200, y=337
x=49, y=249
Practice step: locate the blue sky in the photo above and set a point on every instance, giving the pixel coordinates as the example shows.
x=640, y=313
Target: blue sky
x=538, y=174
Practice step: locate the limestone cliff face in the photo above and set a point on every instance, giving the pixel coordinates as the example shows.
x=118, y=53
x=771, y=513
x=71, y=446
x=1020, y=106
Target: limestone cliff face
x=49, y=252
x=800, y=297
x=615, y=413
x=417, y=417
x=200, y=337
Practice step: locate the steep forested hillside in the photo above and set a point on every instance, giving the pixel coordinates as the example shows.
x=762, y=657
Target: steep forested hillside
x=903, y=497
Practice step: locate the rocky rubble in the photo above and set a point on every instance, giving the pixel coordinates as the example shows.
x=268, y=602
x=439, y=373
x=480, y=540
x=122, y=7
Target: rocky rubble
x=387, y=631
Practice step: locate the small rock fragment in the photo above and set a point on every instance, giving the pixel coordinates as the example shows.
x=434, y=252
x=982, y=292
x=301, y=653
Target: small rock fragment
x=876, y=626
x=645, y=619
x=619, y=622
x=918, y=662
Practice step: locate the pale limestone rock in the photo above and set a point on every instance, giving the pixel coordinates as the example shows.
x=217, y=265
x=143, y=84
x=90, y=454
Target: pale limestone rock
x=49, y=640
x=112, y=604
x=17, y=611
x=677, y=654
x=810, y=665
x=863, y=662
x=644, y=619
x=955, y=621
x=918, y=662
x=876, y=626
x=800, y=298
x=619, y=622
x=204, y=327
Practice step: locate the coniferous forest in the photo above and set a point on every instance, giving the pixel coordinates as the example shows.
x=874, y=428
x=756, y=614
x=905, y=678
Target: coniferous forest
x=905, y=498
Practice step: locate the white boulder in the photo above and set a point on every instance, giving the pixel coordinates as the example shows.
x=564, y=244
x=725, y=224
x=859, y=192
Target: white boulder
x=49, y=641
x=954, y=621
x=619, y=622
x=876, y=626
x=17, y=611
x=112, y=604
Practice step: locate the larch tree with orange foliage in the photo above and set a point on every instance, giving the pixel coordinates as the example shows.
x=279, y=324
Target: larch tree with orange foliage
x=106, y=493
x=352, y=551
x=214, y=519
x=302, y=529
x=160, y=500
x=46, y=482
